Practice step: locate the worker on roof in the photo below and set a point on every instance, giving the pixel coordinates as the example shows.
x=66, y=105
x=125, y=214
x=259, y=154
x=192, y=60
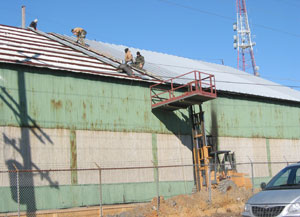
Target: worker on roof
x=33, y=24
x=128, y=56
x=124, y=67
x=139, y=60
x=80, y=34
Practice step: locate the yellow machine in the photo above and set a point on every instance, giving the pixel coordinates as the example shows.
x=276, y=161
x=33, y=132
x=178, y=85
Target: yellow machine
x=207, y=159
x=223, y=170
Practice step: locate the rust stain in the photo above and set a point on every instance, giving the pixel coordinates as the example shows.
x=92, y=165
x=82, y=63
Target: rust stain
x=74, y=177
x=74, y=156
x=146, y=117
x=56, y=104
x=84, y=116
x=34, y=113
x=84, y=105
x=69, y=105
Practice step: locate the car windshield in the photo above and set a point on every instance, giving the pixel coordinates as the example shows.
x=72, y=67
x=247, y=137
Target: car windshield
x=289, y=177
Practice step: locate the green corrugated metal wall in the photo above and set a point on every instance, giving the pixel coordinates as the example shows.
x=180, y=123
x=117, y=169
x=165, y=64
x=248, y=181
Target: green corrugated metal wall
x=77, y=101
x=56, y=99
x=252, y=118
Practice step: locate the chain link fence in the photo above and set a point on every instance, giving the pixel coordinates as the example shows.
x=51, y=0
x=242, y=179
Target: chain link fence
x=31, y=192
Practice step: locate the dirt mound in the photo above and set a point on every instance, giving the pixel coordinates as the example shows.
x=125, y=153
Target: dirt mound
x=226, y=204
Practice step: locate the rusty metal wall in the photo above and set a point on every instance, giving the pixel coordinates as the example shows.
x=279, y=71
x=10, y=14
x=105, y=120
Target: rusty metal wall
x=249, y=117
x=52, y=99
x=56, y=99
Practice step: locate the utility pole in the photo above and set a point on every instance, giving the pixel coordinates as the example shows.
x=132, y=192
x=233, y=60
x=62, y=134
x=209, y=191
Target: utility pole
x=242, y=40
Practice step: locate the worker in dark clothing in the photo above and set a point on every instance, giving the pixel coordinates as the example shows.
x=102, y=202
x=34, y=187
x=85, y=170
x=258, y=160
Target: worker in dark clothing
x=80, y=34
x=139, y=60
x=33, y=24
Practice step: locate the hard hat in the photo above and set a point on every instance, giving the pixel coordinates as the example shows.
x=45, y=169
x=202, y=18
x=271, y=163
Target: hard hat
x=35, y=20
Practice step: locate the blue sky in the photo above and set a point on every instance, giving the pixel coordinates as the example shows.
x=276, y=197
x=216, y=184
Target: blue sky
x=197, y=29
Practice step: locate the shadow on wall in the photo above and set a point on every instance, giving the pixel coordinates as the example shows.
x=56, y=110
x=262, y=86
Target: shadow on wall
x=213, y=138
x=23, y=148
x=175, y=124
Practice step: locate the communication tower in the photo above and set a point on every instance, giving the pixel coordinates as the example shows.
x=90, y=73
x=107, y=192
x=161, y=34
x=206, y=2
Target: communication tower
x=242, y=40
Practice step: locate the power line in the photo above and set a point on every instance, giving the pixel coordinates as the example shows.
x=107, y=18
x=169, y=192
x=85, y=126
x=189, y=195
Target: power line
x=229, y=18
x=290, y=3
x=197, y=10
x=221, y=71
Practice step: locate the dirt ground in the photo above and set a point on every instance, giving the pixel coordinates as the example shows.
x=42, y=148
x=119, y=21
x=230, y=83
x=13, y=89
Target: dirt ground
x=229, y=204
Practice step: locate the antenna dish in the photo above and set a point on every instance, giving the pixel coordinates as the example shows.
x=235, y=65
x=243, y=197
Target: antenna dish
x=234, y=26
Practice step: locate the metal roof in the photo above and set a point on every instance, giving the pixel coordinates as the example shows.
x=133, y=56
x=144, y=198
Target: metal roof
x=227, y=78
x=23, y=46
x=35, y=48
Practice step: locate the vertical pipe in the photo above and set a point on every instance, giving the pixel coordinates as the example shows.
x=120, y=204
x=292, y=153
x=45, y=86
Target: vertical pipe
x=23, y=17
x=253, y=62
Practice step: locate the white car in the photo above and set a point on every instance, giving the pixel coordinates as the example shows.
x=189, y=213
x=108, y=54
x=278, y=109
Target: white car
x=279, y=198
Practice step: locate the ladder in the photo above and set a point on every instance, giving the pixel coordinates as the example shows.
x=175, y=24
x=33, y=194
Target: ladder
x=200, y=147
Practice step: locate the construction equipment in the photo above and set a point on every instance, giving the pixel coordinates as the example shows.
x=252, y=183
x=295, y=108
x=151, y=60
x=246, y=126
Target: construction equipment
x=211, y=164
x=206, y=158
x=224, y=173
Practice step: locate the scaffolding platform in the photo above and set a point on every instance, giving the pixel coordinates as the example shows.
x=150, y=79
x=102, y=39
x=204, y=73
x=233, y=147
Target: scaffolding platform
x=183, y=91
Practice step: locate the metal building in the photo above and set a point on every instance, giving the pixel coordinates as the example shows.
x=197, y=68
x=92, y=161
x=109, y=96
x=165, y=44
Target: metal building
x=65, y=106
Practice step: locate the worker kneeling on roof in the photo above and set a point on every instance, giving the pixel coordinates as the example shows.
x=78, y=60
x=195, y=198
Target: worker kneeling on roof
x=80, y=33
x=139, y=60
x=33, y=24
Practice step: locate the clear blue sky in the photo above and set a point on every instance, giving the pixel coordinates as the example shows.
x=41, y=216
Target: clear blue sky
x=197, y=29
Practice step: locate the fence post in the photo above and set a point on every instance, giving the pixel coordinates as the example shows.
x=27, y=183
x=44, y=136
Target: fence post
x=100, y=189
x=18, y=189
x=157, y=186
x=287, y=163
x=209, y=184
x=252, y=174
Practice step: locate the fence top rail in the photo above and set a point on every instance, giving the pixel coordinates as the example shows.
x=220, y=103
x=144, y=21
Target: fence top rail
x=143, y=167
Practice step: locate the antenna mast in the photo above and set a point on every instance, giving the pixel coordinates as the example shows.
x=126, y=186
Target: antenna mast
x=242, y=40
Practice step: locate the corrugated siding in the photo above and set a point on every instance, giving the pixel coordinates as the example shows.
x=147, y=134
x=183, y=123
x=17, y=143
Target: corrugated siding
x=69, y=100
x=252, y=119
x=98, y=103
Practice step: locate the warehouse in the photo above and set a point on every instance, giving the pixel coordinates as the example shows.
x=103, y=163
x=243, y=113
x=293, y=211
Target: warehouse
x=66, y=107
